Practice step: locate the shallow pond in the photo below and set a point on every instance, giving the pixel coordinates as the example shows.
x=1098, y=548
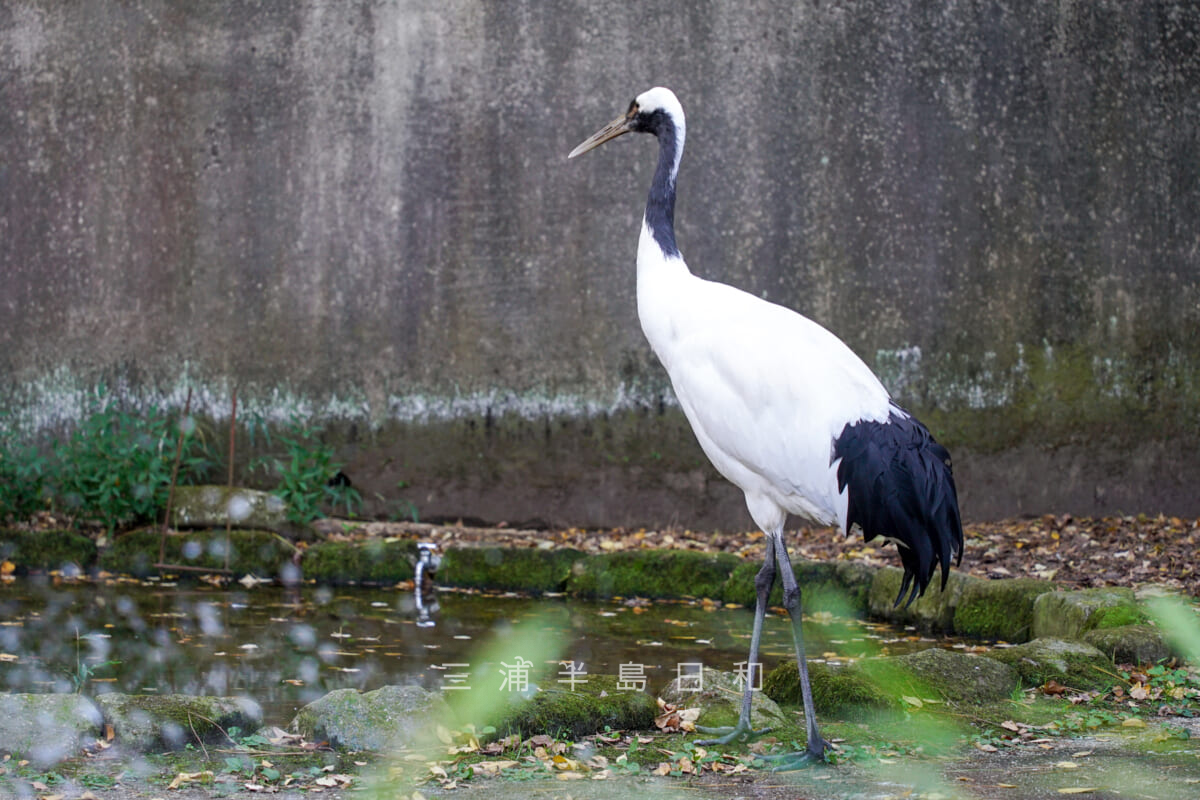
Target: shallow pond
x=287, y=647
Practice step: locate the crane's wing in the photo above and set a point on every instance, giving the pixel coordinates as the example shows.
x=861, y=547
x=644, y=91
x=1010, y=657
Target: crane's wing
x=767, y=391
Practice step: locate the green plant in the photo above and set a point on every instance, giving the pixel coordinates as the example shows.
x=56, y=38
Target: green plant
x=23, y=472
x=115, y=467
x=400, y=507
x=309, y=476
x=83, y=671
x=90, y=781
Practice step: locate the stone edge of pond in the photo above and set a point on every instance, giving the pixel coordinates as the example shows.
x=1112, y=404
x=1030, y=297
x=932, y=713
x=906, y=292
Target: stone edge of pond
x=1013, y=610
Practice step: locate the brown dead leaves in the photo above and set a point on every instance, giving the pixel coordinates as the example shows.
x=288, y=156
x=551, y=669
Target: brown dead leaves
x=672, y=719
x=1078, y=551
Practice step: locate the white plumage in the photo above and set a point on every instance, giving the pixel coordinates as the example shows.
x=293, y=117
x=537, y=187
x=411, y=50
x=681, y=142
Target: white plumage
x=783, y=408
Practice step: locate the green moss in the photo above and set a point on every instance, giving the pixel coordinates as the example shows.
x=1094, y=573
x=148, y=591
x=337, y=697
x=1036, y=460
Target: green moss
x=587, y=709
x=259, y=553
x=45, y=550
x=653, y=573
x=836, y=586
x=508, y=568
x=998, y=609
x=370, y=561
x=843, y=692
x=1117, y=617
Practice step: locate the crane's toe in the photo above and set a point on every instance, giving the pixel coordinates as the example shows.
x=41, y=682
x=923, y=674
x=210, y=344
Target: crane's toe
x=785, y=762
x=730, y=734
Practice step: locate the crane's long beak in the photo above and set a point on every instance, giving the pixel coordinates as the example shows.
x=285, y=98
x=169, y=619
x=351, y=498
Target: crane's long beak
x=612, y=130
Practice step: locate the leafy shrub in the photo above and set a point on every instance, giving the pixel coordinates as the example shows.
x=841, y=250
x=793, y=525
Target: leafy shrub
x=23, y=471
x=310, y=479
x=115, y=467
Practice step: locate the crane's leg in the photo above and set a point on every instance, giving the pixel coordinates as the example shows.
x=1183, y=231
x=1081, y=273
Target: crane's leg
x=762, y=587
x=791, y=601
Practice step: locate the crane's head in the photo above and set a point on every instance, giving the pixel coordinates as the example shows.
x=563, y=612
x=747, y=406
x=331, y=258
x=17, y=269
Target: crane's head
x=655, y=111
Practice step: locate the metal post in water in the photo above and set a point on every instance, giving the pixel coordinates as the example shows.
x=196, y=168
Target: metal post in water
x=424, y=590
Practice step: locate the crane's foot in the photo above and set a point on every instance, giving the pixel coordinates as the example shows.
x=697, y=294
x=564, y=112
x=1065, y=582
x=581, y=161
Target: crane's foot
x=730, y=735
x=785, y=762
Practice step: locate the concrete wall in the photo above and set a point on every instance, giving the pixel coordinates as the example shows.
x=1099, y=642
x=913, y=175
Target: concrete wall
x=362, y=211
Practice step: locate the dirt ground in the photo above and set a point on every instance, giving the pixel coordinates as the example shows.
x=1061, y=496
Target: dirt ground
x=1103, y=767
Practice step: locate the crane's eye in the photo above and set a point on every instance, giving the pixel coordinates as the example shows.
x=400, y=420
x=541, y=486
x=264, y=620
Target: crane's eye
x=633, y=110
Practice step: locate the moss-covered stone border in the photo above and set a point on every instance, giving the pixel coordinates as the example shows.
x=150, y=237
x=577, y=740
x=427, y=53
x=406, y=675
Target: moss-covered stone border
x=1014, y=610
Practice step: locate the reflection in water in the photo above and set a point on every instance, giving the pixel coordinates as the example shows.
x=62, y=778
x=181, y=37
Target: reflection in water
x=286, y=647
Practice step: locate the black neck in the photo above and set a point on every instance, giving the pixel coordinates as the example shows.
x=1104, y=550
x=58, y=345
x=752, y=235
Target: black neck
x=660, y=205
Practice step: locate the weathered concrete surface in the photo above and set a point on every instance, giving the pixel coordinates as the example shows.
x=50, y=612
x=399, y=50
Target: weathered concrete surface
x=363, y=212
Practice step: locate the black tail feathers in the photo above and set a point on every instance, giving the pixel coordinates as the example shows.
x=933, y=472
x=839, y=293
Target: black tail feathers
x=901, y=487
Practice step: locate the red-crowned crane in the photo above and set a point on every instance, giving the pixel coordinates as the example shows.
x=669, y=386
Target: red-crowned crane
x=785, y=411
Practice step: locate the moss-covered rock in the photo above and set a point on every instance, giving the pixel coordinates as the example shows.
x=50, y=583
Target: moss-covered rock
x=514, y=569
x=573, y=713
x=843, y=692
x=718, y=695
x=260, y=553
x=945, y=674
x=1130, y=644
x=46, y=550
x=998, y=609
x=934, y=611
x=1070, y=614
x=653, y=573
x=837, y=586
x=369, y=561
x=387, y=718
x=156, y=723
x=1072, y=664
x=47, y=728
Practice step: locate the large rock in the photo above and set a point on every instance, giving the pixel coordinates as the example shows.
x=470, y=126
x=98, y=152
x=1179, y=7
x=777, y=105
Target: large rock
x=387, y=718
x=933, y=611
x=588, y=708
x=158, y=723
x=1072, y=664
x=217, y=506
x=719, y=698
x=1070, y=614
x=844, y=692
x=47, y=728
x=954, y=676
x=1130, y=644
x=999, y=609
